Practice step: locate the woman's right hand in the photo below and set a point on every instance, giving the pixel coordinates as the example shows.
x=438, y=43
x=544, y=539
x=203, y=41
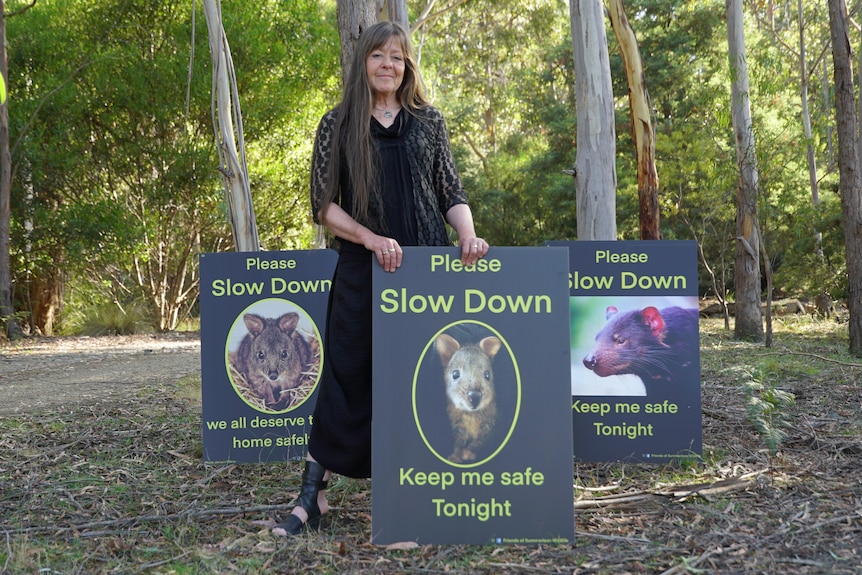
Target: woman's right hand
x=387, y=251
x=339, y=222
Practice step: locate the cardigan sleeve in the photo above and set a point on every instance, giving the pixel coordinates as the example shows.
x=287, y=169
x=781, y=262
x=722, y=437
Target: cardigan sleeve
x=447, y=182
x=320, y=158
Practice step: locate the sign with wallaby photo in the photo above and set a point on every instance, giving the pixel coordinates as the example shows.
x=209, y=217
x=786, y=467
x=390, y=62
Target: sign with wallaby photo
x=635, y=351
x=472, y=418
x=263, y=316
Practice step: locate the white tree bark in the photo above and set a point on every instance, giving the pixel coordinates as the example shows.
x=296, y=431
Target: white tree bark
x=804, y=76
x=806, y=114
x=747, y=268
x=227, y=124
x=595, y=163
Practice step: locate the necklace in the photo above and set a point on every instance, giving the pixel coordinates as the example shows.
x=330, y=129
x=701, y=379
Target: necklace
x=386, y=113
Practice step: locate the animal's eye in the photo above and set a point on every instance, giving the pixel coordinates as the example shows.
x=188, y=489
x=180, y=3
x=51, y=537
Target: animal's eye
x=260, y=355
x=283, y=353
x=621, y=341
x=488, y=375
x=456, y=374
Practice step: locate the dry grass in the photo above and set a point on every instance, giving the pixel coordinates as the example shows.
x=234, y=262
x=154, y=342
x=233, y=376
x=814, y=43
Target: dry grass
x=121, y=488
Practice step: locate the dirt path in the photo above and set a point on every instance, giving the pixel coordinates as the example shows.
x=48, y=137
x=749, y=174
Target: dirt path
x=48, y=374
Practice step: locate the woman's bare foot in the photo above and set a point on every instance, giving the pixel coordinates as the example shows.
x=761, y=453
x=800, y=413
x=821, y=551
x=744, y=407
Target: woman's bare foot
x=314, y=483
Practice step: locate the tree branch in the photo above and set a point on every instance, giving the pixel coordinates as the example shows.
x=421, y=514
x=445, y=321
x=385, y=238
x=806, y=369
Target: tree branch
x=21, y=10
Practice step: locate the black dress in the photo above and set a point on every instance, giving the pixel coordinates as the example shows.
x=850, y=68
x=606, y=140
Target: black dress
x=340, y=437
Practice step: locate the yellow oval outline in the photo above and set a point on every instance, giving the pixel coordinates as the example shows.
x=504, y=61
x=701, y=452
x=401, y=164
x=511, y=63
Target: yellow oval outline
x=517, y=402
x=227, y=354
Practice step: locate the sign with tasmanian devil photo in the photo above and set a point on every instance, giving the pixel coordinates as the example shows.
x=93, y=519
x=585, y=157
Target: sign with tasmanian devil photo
x=262, y=321
x=635, y=370
x=471, y=401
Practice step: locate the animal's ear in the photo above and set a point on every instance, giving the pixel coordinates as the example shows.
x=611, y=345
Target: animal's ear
x=490, y=345
x=254, y=323
x=446, y=346
x=287, y=322
x=611, y=312
x=652, y=318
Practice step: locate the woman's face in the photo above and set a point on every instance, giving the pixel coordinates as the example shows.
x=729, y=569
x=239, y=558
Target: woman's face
x=385, y=68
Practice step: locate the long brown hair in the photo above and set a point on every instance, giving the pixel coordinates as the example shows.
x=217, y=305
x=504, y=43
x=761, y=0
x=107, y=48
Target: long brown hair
x=352, y=142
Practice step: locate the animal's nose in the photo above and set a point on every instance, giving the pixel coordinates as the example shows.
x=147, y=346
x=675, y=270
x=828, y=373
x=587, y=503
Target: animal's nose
x=590, y=361
x=475, y=398
x=273, y=375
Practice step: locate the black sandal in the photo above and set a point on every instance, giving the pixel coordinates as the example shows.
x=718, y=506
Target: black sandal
x=312, y=484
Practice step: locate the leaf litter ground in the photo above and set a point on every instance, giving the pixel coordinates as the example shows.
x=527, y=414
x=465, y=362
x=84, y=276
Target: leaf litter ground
x=101, y=472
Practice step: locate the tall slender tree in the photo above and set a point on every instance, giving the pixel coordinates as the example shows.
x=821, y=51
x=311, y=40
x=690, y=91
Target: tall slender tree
x=595, y=169
x=848, y=165
x=749, y=319
x=640, y=111
x=804, y=81
x=7, y=311
x=396, y=11
x=354, y=16
x=228, y=127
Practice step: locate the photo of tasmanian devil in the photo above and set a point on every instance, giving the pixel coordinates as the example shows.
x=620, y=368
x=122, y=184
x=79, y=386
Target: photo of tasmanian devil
x=659, y=346
x=470, y=394
x=273, y=355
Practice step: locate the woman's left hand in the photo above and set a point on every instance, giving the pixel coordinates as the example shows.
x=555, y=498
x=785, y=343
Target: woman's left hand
x=472, y=248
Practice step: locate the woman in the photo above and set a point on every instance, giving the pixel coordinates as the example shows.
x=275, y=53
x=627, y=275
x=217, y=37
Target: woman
x=382, y=177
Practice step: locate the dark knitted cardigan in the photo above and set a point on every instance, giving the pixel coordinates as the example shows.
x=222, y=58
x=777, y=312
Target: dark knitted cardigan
x=436, y=184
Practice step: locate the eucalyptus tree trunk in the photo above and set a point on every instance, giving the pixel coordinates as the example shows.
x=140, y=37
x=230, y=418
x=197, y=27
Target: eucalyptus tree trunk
x=826, y=111
x=595, y=169
x=227, y=124
x=806, y=114
x=354, y=16
x=805, y=76
x=396, y=11
x=850, y=179
x=7, y=311
x=749, y=324
x=641, y=117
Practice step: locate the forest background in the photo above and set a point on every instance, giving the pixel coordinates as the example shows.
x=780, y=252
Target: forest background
x=115, y=182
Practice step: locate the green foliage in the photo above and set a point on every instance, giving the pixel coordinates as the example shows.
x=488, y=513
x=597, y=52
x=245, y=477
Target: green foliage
x=767, y=408
x=115, y=161
x=510, y=119
x=288, y=63
x=115, y=187
x=110, y=319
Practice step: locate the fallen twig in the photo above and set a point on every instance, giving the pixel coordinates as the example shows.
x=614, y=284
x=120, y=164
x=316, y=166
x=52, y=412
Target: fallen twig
x=149, y=566
x=687, y=565
x=678, y=493
x=611, y=537
x=784, y=351
x=83, y=529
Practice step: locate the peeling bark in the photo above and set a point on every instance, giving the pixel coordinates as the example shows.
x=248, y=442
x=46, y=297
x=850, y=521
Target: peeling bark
x=640, y=110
